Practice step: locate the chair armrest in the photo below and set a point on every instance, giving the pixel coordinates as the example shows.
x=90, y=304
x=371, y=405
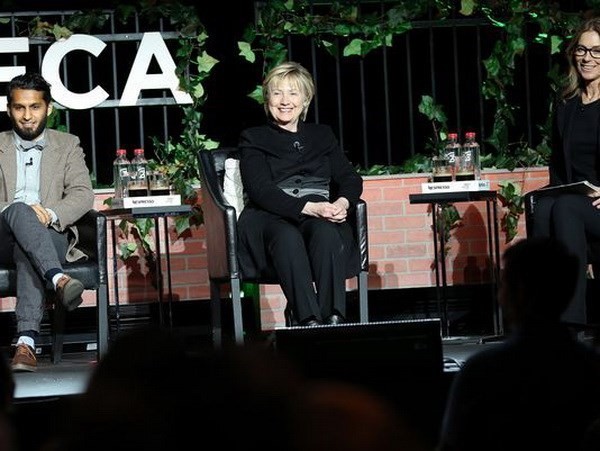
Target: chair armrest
x=88, y=234
x=362, y=233
x=529, y=200
x=220, y=222
x=92, y=240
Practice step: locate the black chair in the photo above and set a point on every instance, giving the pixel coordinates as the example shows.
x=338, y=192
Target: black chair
x=91, y=272
x=220, y=222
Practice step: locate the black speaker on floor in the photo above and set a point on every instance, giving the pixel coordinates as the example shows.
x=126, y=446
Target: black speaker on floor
x=400, y=360
x=371, y=352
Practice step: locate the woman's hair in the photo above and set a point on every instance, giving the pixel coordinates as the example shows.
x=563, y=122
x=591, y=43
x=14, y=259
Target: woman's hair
x=297, y=76
x=574, y=83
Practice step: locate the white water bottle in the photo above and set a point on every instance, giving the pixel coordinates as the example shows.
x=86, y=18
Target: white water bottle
x=452, y=149
x=138, y=183
x=121, y=173
x=471, y=148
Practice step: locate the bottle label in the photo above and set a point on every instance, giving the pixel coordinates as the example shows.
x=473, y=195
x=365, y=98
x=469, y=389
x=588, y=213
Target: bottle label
x=467, y=156
x=141, y=173
x=450, y=154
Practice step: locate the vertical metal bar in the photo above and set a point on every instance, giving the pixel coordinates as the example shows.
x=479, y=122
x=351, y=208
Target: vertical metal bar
x=479, y=91
x=313, y=55
x=528, y=98
x=65, y=77
x=432, y=64
x=115, y=83
x=165, y=116
x=386, y=96
x=338, y=76
x=456, y=79
x=409, y=87
x=92, y=113
x=363, y=111
x=141, y=134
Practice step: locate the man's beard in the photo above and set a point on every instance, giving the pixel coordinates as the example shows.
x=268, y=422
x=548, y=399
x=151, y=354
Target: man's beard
x=29, y=134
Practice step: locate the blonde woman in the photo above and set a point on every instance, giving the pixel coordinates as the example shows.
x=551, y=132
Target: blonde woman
x=300, y=187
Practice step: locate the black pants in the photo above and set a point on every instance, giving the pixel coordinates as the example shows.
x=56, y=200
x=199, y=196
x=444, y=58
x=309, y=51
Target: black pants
x=300, y=253
x=572, y=219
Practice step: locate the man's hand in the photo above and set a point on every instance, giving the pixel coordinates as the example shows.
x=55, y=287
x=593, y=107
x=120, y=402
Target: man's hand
x=42, y=214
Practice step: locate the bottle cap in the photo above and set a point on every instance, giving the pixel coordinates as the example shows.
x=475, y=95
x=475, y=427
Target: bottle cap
x=470, y=135
x=138, y=151
x=452, y=135
x=121, y=152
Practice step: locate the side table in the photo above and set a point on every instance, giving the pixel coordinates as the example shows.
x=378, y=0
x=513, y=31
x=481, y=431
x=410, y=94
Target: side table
x=437, y=200
x=156, y=213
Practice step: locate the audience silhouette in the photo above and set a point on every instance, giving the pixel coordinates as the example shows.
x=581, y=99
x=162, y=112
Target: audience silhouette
x=150, y=392
x=7, y=391
x=142, y=395
x=540, y=388
x=339, y=416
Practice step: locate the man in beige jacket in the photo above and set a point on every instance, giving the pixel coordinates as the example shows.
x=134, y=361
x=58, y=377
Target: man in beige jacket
x=45, y=187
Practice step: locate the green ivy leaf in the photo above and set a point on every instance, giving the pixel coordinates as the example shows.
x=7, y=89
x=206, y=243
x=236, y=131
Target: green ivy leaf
x=198, y=91
x=467, y=7
x=246, y=51
x=61, y=32
x=257, y=94
x=555, y=44
x=206, y=62
x=354, y=47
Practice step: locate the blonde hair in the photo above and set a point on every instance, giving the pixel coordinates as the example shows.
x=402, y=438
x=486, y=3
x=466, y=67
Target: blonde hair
x=297, y=75
x=573, y=81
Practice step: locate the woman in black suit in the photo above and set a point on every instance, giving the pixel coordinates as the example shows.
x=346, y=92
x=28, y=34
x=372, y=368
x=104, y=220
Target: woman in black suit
x=300, y=186
x=574, y=218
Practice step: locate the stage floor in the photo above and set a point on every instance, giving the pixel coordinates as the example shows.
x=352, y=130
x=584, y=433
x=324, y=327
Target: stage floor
x=70, y=376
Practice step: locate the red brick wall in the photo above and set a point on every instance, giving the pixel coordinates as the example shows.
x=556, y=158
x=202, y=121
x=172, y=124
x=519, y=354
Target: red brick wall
x=400, y=247
x=401, y=241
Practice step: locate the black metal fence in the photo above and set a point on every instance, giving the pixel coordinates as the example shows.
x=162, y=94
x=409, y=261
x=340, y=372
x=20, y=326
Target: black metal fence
x=108, y=126
x=371, y=102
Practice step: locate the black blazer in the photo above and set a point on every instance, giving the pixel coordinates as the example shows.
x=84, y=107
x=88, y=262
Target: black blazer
x=271, y=154
x=560, y=159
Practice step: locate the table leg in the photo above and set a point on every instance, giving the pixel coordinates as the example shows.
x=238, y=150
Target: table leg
x=169, y=284
x=158, y=269
x=500, y=319
x=494, y=256
x=440, y=265
x=115, y=274
x=442, y=226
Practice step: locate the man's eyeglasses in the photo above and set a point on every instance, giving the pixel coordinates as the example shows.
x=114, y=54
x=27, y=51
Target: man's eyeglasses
x=581, y=50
